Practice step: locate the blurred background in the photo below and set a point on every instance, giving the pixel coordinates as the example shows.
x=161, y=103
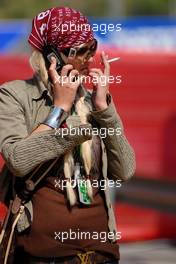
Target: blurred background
x=146, y=100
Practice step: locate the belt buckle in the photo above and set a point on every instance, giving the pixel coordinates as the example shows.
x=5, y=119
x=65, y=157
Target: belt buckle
x=85, y=257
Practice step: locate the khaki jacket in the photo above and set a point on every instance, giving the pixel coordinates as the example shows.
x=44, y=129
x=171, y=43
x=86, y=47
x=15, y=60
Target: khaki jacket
x=26, y=104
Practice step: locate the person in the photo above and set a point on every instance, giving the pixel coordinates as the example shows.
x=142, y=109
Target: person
x=68, y=218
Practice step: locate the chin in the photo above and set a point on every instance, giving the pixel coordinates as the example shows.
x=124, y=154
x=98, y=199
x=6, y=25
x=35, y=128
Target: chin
x=84, y=72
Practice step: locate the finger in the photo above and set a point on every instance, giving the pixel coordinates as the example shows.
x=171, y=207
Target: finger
x=66, y=69
x=106, y=63
x=53, y=63
x=98, y=71
x=78, y=82
x=102, y=80
x=52, y=70
x=73, y=75
x=95, y=77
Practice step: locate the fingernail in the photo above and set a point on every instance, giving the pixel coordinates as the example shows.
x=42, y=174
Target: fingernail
x=53, y=58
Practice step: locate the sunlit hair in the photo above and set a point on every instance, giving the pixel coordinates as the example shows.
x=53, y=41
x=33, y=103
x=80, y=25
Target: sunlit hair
x=38, y=65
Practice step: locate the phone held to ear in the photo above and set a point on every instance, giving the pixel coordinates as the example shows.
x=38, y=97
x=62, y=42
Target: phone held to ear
x=49, y=52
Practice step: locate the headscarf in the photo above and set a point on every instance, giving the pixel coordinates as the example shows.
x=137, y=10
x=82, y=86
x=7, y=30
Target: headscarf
x=62, y=27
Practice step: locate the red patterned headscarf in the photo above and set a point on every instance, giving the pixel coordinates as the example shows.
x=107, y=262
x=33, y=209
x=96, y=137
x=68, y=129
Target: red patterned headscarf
x=62, y=27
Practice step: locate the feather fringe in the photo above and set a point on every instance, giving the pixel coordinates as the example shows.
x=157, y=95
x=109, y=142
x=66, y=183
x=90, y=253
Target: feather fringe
x=68, y=171
x=89, y=189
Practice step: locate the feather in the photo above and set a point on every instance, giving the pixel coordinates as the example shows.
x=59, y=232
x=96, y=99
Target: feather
x=68, y=171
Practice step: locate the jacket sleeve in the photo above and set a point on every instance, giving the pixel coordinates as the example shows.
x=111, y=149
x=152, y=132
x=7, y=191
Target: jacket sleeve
x=120, y=155
x=23, y=152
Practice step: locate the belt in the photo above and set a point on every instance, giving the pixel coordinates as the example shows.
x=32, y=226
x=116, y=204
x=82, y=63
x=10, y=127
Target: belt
x=89, y=257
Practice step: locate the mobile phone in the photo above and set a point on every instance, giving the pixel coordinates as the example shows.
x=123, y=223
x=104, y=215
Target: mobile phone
x=50, y=51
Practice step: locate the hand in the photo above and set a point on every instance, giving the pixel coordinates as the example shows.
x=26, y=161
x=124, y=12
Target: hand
x=101, y=84
x=64, y=86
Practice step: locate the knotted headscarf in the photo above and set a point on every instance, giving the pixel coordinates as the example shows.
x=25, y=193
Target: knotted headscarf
x=62, y=27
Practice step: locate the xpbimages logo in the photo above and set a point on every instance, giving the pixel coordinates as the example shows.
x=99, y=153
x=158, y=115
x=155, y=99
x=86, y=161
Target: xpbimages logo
x=84, y=235
x=103, y=132
x=102, y=28
x=102, y=184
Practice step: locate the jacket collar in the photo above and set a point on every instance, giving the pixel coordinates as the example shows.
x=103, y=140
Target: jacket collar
x=40, y=88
